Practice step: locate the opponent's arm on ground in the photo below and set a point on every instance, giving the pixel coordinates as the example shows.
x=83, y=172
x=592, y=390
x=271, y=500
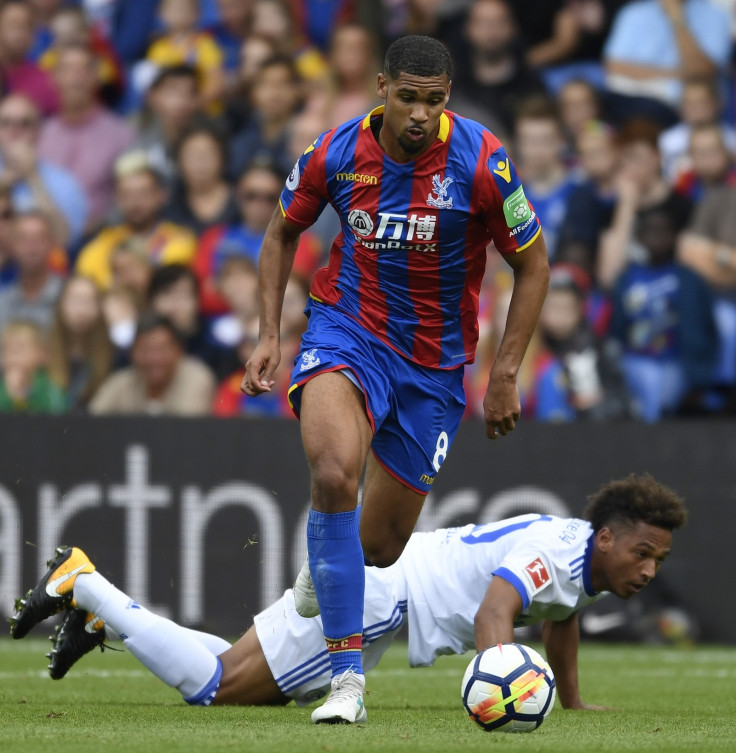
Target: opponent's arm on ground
x=561, y=641
x=494, y=620
x=501, y=404
x=274, y=266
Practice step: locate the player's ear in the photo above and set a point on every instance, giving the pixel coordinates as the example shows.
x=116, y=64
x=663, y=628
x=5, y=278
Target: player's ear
x=382, y=86
x=604, y=539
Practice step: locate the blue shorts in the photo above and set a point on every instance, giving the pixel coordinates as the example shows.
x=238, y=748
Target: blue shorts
x=414, y=411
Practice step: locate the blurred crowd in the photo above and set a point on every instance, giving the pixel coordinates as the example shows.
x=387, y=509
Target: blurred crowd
x=144, y=145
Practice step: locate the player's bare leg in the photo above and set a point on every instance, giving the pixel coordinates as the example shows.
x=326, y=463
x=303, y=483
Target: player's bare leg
x=246, y=677
x=389, y=514
x=336, y=435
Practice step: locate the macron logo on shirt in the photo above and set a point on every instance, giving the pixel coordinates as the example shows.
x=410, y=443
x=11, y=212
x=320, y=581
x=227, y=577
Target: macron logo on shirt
x=537, y=573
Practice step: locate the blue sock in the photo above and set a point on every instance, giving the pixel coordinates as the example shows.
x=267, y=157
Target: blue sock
x=336, y=565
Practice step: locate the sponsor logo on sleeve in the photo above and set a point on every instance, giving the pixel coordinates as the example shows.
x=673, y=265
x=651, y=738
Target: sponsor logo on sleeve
x=536, y=575
x=503, y=169
x=516, y=208
x=292, y=182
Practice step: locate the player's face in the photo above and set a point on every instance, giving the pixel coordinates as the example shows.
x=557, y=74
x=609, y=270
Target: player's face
x=627, y=558
x=412, y=115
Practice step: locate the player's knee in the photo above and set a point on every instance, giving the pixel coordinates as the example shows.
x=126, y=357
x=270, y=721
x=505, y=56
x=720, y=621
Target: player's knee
x=383, y=551
x=333, y=488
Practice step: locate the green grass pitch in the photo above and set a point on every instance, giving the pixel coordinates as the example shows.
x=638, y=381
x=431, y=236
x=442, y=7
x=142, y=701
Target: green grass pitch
x=672, y=700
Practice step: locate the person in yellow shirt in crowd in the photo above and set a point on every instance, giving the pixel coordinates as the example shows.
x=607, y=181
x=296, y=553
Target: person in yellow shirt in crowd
x=184, y=42
x=141, y=196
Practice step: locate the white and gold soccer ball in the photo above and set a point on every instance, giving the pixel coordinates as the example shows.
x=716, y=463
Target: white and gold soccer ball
x=508, y=687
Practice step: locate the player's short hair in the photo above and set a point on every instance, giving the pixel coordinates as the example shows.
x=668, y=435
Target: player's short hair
x=417, y=55
x=635, y=499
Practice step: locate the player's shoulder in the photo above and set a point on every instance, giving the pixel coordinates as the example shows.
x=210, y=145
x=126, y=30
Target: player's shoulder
x=467, y=129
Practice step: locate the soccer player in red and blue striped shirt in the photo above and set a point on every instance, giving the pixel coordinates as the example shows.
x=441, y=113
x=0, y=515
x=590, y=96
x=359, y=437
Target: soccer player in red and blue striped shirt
x=420, y=193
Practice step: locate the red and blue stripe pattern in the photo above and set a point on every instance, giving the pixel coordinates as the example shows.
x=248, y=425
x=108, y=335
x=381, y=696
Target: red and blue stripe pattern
x=410, y=259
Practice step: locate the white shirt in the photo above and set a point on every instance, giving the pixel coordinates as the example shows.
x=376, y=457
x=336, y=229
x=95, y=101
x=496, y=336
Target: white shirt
x=448, y=571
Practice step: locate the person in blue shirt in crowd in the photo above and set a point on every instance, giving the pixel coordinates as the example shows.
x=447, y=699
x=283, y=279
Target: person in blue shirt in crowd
x=662, y=316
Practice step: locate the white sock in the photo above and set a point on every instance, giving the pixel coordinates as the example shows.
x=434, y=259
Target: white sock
x=170, y=651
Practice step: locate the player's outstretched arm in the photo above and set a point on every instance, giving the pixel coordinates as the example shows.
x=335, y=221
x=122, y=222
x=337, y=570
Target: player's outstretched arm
x=274, y=267
x=501, y=404
x=561, y=641
x=494, y=620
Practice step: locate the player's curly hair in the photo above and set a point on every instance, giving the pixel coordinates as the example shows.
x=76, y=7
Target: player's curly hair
x=417, y=55
x=634, y=499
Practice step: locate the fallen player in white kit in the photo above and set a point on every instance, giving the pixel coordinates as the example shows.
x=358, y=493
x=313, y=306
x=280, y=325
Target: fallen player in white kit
x=458, y=589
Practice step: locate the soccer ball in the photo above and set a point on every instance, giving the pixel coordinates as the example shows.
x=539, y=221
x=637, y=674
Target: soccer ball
x=508, y=687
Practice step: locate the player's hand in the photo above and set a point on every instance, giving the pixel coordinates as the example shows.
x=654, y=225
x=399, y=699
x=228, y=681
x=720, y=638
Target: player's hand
x=581, y=706
x=501, y=406
x=260, y=367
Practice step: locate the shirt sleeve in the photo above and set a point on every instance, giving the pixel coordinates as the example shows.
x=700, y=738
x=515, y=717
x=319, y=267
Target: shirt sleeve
x=305, y=194
x=529, y=571
x=512, y=221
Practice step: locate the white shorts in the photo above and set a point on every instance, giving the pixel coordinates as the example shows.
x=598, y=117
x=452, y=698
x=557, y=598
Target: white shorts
x=294, y=646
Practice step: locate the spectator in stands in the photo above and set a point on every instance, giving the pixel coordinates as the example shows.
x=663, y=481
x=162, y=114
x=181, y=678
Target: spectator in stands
x=36, y=183
x=173, y=294
x=564, y=40
x=184, y=42
x=578, y=103
x=34, y=293
x=122, y=307
x=19, y=74
x=253, y=54
x=275, y=99
x=43, y=13
x=24, y=383
x=317, y=21
x=351, y=87
x=700, y=105
x=274, y=20
x=639, y=186
x=591, y=204
x=141, y=198
x=229, y=399
x=201, y=197
x=654, y=46
x=171, y=102
x=84, y=137
x=489, y=69
x=709, y=248
x=662, y=316
x=70, y=27
x=237, y=281
x=578, y=376
x=712, y=164
x=126, y=26
x=132, y=268
x=258, y=192
x=8, y=270
x=538, y=156
x=230, y=33
x=80, y=350
x=162, y=380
